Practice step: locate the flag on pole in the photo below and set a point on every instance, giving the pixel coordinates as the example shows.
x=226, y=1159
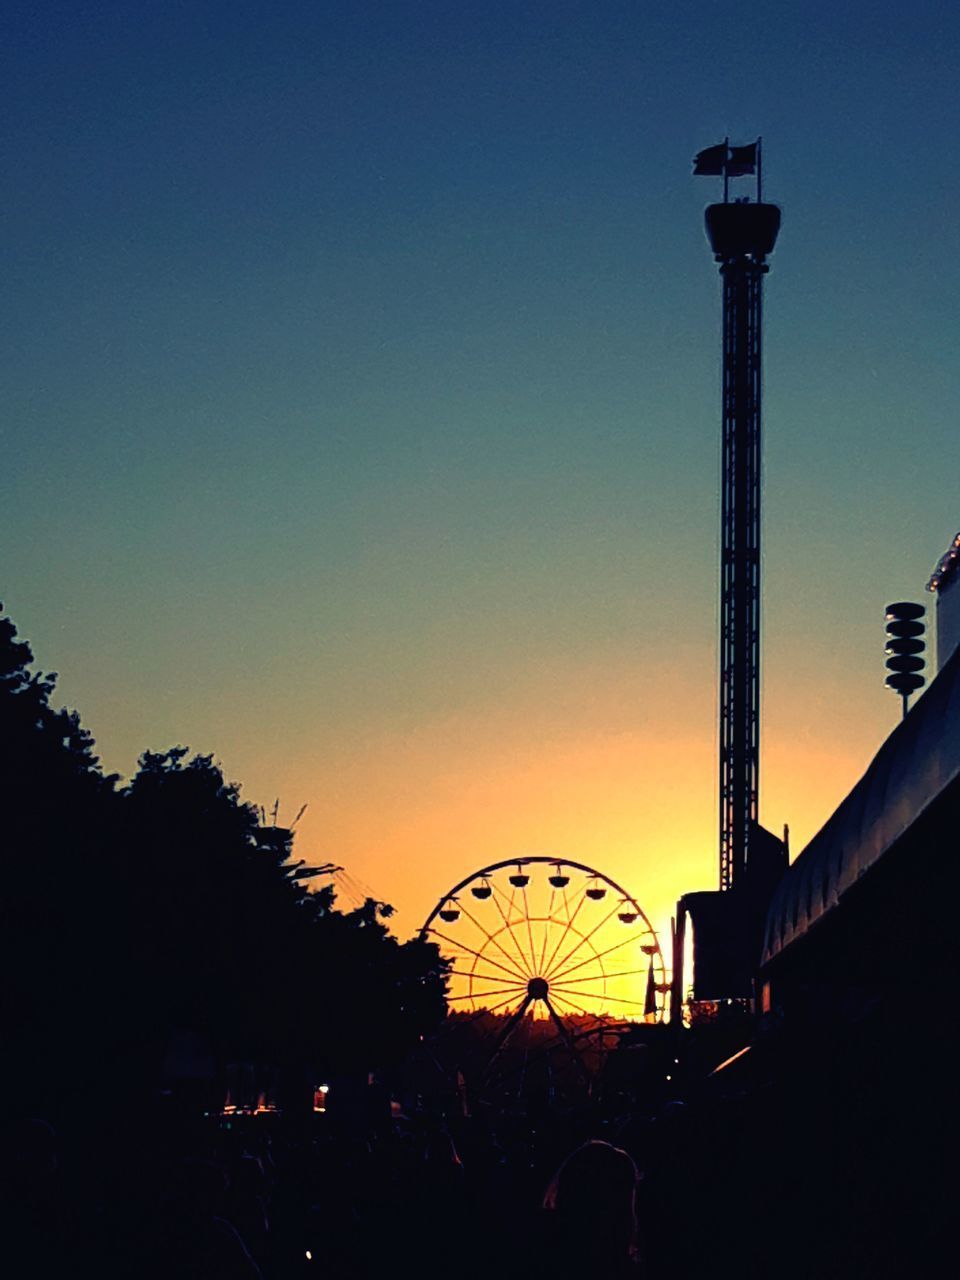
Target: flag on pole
x=725, y=161
x=742, y=160
x=712, y=162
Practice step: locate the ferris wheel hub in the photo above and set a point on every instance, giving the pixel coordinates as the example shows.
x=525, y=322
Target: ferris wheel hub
x=537, y=988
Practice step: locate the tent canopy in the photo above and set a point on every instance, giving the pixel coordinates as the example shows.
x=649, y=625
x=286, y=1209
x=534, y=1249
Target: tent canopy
x=918, y=761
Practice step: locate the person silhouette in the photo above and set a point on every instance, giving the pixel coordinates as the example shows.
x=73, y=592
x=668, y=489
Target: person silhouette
x=591, y=1212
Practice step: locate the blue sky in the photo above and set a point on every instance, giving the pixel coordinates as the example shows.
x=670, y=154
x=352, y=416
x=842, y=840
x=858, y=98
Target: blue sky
x=360, y=408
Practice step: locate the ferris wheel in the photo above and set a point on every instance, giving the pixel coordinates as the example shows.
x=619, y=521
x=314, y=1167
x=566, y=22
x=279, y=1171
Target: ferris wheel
x=548, y=938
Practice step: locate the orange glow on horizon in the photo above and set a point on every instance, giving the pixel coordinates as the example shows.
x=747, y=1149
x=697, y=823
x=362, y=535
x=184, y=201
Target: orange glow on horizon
x=412, y=814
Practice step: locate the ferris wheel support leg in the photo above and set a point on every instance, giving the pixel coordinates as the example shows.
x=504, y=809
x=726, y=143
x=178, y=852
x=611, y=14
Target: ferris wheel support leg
x=508, y=1030
x=565, y=1037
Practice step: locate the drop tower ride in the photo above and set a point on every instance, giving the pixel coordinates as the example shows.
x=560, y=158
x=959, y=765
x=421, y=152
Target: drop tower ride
x=728, y=922
x=742, y=233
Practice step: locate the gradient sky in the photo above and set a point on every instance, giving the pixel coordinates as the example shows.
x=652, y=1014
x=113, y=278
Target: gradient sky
x=360, y=406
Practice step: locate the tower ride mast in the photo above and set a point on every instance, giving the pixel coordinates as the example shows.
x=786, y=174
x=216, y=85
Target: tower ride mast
x=741, y=235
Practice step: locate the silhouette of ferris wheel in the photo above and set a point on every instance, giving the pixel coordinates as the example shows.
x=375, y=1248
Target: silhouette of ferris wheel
x=544, y=937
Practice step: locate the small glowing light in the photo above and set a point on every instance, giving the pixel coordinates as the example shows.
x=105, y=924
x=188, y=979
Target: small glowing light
x=324, y=1088
x=669, y=1077
x=309, y=1256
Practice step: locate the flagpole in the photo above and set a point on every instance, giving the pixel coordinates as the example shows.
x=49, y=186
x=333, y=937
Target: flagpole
x=726, y=176
x=759, y=170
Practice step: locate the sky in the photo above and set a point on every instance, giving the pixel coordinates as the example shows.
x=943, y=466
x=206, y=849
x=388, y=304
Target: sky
x=360, y=405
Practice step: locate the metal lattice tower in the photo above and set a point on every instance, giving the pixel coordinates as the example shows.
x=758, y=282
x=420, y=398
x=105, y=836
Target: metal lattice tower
x=741, y=235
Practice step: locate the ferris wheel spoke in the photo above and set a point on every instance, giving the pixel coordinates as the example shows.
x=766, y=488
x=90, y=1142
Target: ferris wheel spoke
x=560, y=970
x=584, y=938
x=613, y=999
x=479, y=954
x=492, y=937
x=566, y=900
x=546, y=928
x=471, y=970
x=495, y=1008
x=598, y=955
x=563, y=999
x=497, y=895
x=472, y=974
x=602, y=977
x=566, y=929
x=511, y=900
x=466, y=969
x=529, y=933
x=497, y=972
x=482, y=995
x=598, y=978
x=517, y=985
x=544, y=938
x=572, y=994
x=563, y=924
x=533, y=949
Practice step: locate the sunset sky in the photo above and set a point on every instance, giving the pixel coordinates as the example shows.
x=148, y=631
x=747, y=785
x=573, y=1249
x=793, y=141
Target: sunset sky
x=360, y=406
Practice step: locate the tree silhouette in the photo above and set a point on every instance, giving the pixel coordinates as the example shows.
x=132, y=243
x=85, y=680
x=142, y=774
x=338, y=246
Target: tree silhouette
x=131, y=914
x=55, y=848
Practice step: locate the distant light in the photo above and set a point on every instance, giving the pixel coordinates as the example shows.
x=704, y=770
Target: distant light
x=669, y=1077
x=309, y=1256
x=324, y=1088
